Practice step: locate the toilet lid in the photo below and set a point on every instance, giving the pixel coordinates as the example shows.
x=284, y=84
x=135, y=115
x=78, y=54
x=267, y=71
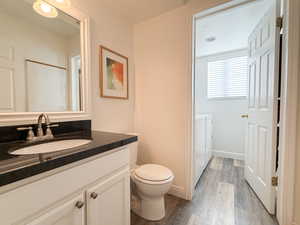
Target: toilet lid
x=153, y=172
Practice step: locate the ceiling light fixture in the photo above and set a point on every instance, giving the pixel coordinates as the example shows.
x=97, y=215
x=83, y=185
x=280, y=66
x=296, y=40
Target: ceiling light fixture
x=63, y=3
x=45, y=9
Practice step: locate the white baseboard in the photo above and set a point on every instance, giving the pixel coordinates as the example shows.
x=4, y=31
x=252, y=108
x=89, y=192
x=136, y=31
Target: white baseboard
x=177, y=191
x=230, y=155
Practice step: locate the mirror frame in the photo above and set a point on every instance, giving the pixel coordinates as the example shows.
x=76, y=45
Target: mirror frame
x=18, y=118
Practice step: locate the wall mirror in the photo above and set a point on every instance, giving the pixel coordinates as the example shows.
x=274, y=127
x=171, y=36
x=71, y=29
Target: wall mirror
x=43, y=61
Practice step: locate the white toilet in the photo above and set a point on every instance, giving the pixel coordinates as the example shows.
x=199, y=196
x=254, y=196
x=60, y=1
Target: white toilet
x=150, y=182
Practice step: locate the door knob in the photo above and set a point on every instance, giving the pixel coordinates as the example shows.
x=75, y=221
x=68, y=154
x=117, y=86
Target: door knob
x=245, y=116
x=94, y=195
x=79, y=204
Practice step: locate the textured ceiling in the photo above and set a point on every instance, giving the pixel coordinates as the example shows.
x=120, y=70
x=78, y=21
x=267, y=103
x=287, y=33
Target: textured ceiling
x=230, y=28
x=139, y=10
x=22, y=10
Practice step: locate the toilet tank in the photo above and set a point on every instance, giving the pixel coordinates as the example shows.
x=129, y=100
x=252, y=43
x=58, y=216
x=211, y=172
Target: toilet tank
x=133, y=148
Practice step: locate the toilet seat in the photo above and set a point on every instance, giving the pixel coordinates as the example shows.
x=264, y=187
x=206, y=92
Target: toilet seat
x=153, y=174
x=152, y=182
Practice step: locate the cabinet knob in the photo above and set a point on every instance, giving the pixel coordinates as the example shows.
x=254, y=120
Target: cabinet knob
x=245, y=116
x=79, y=204
x=94, y=195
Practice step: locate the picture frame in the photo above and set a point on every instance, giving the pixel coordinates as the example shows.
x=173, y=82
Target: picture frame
x=113, y=74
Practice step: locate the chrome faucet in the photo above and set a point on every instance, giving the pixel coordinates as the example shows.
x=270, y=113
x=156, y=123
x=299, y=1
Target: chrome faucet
x=40, y=133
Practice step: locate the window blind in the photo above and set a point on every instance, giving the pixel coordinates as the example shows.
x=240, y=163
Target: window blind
x=228, y=78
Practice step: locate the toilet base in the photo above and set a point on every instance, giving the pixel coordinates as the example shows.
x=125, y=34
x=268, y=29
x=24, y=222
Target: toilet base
x=150, y=209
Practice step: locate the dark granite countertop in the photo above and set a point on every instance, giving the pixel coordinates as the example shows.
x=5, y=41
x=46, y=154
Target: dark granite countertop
x=14, y=168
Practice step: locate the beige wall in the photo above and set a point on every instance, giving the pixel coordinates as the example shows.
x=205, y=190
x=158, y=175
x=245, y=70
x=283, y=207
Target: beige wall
x=163, y=86
x=296, y=213
x=117, y=34
x=297, y=187
x=296, y=218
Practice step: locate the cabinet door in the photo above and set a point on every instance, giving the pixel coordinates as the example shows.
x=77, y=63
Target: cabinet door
x=69, y=212
x=108, y=202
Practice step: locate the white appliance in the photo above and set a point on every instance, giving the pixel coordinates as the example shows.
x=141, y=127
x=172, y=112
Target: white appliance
x=202, y=144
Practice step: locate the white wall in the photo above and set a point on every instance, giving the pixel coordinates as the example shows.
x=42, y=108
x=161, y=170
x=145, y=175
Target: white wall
x=73, y=45
x=228, y=126
x=115, y=33
x=163, y=86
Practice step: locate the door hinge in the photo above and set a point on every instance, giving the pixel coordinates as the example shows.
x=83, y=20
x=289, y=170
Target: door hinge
x=279, y=22
x=274, y=181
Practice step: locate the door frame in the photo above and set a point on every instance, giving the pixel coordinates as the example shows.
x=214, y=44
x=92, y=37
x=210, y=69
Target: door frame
x=289, y=103
x=289, y=95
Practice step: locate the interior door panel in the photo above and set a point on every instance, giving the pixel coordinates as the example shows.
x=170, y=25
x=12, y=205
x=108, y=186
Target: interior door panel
x=262, y=108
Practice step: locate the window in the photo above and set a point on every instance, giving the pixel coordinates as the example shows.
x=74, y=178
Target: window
x=227, y=78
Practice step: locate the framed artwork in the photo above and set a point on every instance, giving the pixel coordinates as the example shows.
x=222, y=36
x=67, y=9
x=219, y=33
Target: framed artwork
x=113, y=74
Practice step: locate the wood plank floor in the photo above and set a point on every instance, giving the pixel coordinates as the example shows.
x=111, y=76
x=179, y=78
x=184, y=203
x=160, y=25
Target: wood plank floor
x=222, y=197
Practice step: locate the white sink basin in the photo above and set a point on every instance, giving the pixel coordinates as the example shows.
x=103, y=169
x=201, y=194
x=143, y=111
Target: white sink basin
x=51, y=147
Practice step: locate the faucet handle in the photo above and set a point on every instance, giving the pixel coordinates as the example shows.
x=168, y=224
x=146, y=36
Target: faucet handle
x=24, y=128
x=48, y=130
x=30, y=134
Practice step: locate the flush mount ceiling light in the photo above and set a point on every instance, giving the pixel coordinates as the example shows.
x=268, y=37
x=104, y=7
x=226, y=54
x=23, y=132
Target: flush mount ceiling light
x=63, y=3
x=45, y=9
x=210, y=39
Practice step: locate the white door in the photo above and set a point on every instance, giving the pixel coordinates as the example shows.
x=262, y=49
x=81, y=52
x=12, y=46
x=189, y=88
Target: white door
x=51, y=85
x=108, y=202
x=70, y=212
x=262, y=108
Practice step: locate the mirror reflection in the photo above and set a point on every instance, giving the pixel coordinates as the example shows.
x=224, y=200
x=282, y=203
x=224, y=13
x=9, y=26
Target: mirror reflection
x=40, y=62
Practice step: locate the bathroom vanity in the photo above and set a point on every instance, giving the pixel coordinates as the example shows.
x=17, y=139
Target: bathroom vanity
x=88, y=184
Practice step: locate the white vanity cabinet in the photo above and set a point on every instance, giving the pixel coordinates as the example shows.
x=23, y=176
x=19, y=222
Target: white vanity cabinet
x=94, y=191
x=113, y=194
x=64, y=213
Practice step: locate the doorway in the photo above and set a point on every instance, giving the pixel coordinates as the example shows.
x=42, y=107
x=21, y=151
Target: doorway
x=236, y=93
